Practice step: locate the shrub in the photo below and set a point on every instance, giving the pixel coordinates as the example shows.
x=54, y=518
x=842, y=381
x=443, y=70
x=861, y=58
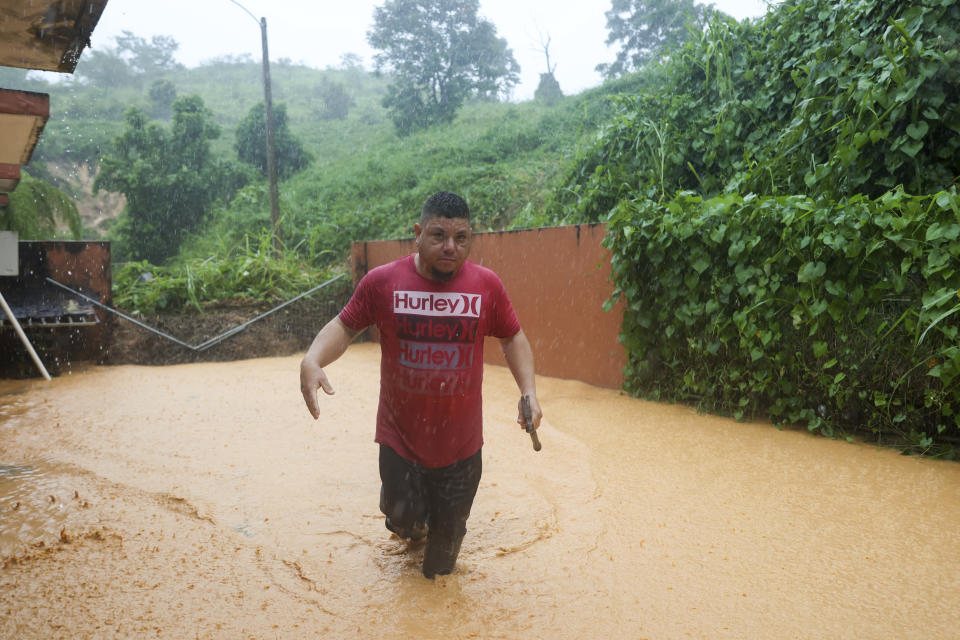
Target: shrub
x=843, y=316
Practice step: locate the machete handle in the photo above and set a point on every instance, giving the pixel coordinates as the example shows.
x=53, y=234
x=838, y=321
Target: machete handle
x=528, y=421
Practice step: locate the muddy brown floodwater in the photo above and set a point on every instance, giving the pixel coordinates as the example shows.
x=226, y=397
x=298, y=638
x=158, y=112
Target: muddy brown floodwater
x=201, y=501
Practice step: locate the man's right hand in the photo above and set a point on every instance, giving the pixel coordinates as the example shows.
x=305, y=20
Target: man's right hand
x=329, y=345
x=312, y=378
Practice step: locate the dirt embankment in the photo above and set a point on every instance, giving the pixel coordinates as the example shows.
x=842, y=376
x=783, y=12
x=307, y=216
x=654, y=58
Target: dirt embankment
x=284, y=332
x=120, y=341
x=96, y=210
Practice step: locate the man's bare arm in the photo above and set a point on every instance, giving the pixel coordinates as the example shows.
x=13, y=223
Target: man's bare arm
x=329, y=345
x=519, y=357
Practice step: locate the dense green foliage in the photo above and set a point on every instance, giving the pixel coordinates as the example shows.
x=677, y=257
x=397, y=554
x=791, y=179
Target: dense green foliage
x=39, y=211
x=812, y=99
x=830, y=298
x=170, y=179
x=843, y=316
x=251, y=142
x=440, y=52
x=874, y=102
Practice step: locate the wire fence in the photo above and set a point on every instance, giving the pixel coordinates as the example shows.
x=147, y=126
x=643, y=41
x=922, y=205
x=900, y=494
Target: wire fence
x=206, y=344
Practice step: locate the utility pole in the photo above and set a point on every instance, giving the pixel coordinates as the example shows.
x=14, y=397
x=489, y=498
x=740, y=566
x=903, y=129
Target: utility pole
x=271, y=152
x=268, y=116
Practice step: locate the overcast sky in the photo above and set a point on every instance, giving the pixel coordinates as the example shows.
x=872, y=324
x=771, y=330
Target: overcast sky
x=318, y=33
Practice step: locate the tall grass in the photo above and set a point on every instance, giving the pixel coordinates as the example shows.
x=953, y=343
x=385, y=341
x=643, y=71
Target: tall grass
x=247, y=273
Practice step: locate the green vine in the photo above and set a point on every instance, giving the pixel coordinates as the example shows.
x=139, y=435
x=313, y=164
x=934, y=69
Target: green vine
x=843, y=316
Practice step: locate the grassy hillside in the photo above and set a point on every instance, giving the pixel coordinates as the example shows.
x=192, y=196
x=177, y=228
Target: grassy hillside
x=364, y=183
x=504, y=157
x=85, y=118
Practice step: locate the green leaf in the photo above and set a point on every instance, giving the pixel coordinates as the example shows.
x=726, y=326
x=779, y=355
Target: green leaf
x=946, y=200
x=917, y=130
x=811, y=271
x=701, y=263
x=835, y=288
x=936, y=231
x=937, y=321
x=937, y=297
x=912, y=148
x=743, y=273
x=819, y=349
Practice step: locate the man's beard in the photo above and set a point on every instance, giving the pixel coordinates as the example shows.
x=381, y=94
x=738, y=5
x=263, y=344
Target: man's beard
x=442, y=276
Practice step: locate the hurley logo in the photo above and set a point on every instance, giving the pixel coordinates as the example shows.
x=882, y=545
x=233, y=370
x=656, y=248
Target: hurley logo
x=424, y=303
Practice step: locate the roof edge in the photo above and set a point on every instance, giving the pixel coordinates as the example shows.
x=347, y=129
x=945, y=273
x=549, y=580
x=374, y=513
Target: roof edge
x=79, y=36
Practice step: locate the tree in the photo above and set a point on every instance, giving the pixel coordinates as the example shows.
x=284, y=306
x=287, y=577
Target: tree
x=170, y=179
x=647, y=29
x=440, y=53
x=40, y=211
x=162, y=95
x=129, y=62
x=336, y=100
x=105, y=68
x=251, y=142
x=146, y=58
x=548, y=91
x=351, y=62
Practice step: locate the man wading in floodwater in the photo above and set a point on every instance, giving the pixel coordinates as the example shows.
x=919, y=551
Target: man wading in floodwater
x=433, y=309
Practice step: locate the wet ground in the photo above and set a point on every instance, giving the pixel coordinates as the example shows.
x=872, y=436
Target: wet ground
x=201, y=500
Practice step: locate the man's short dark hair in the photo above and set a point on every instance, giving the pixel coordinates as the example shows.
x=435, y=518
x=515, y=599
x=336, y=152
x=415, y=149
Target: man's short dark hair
x=444, y=204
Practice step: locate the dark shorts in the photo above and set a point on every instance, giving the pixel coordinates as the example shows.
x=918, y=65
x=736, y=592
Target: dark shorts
x=420, y=501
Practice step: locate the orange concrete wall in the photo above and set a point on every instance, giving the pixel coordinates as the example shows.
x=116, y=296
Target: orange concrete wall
x=558, y=280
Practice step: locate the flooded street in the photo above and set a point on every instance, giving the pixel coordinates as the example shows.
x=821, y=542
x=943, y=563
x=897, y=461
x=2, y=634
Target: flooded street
x=202, y=500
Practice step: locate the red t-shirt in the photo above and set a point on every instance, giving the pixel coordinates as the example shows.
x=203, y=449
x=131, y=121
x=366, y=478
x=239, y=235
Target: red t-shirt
x=431, y=363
